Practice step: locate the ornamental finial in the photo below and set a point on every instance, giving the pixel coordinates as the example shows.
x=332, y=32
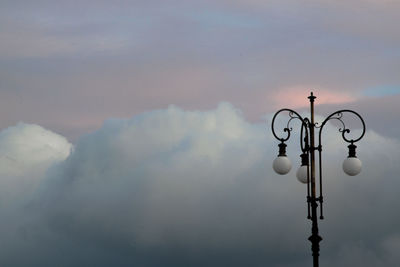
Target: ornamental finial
x=312, y=97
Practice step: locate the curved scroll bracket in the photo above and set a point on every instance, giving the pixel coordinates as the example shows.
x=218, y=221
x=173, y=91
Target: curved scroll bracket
x=292, y=115
x=338, y=115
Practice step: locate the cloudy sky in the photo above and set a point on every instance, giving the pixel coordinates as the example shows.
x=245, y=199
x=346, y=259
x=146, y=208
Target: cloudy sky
x=137, y=133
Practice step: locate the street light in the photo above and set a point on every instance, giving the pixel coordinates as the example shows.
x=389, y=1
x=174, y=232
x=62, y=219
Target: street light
x=306, y=172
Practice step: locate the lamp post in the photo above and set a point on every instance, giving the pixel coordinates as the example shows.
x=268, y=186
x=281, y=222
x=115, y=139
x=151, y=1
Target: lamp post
x=307, y=171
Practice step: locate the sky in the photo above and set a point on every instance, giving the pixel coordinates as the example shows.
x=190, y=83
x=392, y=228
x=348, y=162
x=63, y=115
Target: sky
x=137, y=133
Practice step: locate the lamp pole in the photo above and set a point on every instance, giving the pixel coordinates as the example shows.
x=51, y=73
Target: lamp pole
x=307, y=171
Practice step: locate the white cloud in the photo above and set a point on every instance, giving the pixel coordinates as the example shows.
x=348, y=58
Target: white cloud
x=28, y=148
x=26, y=153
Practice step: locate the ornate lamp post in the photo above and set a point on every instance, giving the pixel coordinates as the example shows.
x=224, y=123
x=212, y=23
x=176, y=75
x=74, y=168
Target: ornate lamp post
x=306, y=173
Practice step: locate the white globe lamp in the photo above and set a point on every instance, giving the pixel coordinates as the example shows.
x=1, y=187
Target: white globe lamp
x=282, y=164
x=302, y=171
x=352, y=165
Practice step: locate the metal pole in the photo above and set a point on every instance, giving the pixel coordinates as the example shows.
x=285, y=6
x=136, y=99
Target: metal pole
x=308, y=147
x=314, y=238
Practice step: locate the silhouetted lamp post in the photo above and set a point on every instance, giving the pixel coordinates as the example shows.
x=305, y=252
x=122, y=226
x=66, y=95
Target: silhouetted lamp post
x=306, y=172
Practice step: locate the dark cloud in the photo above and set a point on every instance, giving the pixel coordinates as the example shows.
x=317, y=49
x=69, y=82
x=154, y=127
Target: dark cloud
x=178, y=188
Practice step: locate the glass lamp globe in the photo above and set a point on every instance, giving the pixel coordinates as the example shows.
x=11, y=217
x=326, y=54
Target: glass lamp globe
x=282, y=165
x=302, y=174
x=352, y=166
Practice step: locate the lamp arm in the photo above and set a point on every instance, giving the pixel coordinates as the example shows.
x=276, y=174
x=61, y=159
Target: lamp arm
x=337, y=115
x=293, y=115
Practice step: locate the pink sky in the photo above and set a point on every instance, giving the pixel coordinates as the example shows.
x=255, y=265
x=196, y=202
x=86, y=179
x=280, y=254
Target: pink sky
x=297, y=97
x=70, y=68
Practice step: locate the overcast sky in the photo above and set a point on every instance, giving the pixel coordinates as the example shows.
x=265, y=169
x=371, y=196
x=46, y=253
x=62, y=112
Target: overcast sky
x=137, y=133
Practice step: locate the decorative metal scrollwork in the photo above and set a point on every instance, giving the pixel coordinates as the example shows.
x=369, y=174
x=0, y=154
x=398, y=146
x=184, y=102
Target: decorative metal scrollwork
x=338, y=115
x=293, y=115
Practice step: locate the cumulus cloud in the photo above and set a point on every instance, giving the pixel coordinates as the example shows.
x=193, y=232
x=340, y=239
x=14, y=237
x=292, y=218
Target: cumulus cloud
x=189, y=188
